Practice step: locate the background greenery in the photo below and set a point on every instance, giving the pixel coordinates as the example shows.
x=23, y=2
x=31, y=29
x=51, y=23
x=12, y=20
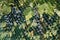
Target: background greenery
x=48, y=6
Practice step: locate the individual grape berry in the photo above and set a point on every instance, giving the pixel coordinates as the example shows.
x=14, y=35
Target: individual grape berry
x=15, y=15
x=5, y=16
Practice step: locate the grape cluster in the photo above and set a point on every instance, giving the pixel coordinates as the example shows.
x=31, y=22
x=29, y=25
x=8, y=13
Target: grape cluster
x=14, y=16
x=37, y=18
x=8, y=19
x=17, y=17
x=46, y=17
x=54, y=17
x=51, y=20
x=39, y=30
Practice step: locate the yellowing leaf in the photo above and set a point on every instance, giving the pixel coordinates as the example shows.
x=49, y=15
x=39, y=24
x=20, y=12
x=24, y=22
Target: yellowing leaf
x=3, y=24
x=15, y=24
x=28, y=16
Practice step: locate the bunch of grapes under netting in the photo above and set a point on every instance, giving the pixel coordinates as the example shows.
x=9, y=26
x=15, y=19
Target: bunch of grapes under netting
x=29, y=20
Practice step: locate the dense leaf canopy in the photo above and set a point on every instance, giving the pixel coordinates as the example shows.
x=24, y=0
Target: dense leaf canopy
x=29, y=19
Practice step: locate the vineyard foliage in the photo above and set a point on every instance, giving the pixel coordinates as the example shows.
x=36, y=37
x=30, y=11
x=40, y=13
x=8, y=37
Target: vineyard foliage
x=29, y=19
